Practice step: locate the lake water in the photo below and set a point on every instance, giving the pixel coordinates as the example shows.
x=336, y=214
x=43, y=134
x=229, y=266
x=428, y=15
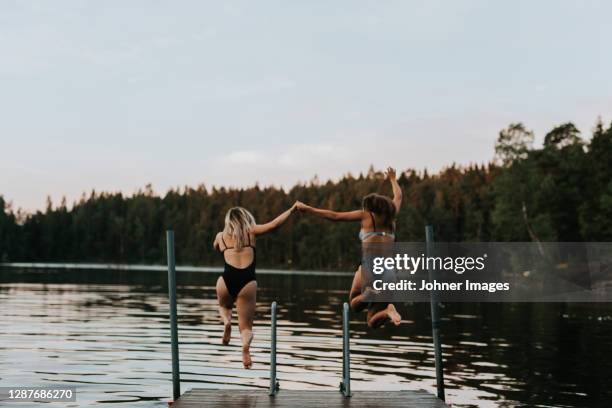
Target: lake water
x=107, y=333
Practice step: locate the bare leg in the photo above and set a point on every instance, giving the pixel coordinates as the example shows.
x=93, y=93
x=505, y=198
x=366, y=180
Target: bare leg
x=355, y=296
x=381, y=313
x=245, y=305
x=225, y=309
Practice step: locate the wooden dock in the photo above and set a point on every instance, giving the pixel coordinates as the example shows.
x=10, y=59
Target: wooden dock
x=275, y=398
x=200, y=398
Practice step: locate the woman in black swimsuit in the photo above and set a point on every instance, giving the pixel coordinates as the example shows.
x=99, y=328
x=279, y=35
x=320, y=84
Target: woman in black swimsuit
x=377, y=218
x=238, y=283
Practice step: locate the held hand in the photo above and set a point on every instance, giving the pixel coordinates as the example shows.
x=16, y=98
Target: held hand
x=301, y=206
x=390, y=173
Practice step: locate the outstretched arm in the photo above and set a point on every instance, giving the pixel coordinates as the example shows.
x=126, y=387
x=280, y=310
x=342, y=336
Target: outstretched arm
x=331, y=215
x=259, y=229
x=397, y=190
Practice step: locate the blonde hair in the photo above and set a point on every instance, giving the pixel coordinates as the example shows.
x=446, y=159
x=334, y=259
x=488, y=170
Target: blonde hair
x=238, y=223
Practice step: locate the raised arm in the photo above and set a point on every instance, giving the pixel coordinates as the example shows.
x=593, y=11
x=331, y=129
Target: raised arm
x=259, y=229
x=397, y=190
x=355, y=215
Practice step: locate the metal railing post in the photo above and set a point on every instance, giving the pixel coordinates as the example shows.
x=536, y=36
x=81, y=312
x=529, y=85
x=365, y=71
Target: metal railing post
x=176, y=381
x=345, y=385
x=435, y=319
x=274, y=385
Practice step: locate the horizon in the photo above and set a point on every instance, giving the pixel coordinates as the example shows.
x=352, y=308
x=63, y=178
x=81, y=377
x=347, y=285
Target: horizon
x=57, y=199
x=209, y=188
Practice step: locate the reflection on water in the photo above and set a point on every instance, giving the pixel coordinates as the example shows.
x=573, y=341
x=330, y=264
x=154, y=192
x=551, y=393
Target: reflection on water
x=107, y=333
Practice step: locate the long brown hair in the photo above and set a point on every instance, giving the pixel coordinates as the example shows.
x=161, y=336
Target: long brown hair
x=238, y=223
x=382, y=206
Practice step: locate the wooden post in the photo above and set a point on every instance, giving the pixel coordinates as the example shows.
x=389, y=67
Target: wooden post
x=345, y=385
x=274, y=385
x=435, y=319
x=176, y=381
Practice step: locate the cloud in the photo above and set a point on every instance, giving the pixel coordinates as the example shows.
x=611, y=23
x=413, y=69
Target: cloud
x=244, y=157
x=286, y=157
x=303, y=155
x=425, y=143
x=281, y=165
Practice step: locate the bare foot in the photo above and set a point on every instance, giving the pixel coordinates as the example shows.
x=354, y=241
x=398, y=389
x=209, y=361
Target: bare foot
x=227, y=333
x=246, y=358
x=246, y=352
x=393, y=315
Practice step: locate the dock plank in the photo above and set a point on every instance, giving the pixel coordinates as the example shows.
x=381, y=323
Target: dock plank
x=196, y=398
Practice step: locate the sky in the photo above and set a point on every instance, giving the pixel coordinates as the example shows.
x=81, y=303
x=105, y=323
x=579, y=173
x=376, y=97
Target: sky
x=113, y=95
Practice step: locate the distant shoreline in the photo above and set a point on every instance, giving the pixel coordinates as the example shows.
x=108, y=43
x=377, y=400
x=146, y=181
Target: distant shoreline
x=159, y=268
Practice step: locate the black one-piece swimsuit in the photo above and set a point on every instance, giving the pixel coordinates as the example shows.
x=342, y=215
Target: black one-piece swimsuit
x=237, y=278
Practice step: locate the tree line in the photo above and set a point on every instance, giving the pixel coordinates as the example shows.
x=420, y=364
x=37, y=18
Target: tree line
x=560, y=191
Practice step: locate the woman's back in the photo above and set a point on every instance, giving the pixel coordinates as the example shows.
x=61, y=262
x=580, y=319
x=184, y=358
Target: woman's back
x=373, y=231
x=238, y=258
